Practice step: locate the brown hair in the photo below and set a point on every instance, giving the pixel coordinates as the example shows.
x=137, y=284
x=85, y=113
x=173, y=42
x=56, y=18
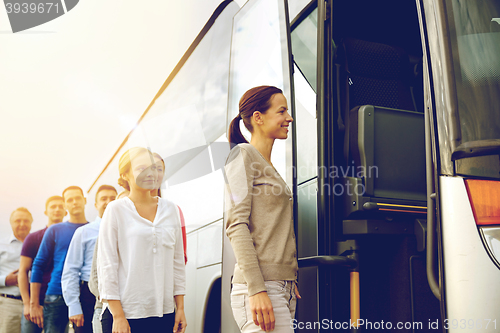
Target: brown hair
x=255, y=99
x=21, y=209
x=72, y=188
x=125, y=163
x=52, y=198
x=158, y=191
x=103, y=188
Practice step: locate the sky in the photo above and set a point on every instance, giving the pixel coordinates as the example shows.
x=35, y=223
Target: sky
x=73, y=88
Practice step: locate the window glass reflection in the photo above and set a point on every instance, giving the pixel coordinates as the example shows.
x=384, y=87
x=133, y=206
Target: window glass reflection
x=306, y=125
x=187, y=117
x=475, y=36
x=295, y=7
x=304, y=47
x=259, y=56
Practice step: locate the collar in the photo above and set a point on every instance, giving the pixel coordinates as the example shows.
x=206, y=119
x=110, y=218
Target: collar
x=97, y=219
x=13, y=238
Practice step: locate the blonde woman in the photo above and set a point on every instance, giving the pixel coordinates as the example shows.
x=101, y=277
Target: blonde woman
x=140, y=261
x=259, y=218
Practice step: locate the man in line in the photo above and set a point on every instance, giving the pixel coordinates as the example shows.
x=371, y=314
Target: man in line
x=53, y=316
x=54, y=209
x=11, y=305
x=76, y=272
x=93, y=283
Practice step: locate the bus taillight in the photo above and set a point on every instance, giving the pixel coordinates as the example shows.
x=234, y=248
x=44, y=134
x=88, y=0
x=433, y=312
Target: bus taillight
x=484, y=196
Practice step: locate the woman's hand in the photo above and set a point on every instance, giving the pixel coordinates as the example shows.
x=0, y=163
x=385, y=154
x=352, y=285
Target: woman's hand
x=297, y=291
x=180, y=321
x=262, y=311
x=120, y=325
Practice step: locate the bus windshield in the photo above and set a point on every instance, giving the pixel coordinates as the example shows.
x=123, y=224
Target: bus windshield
x=474, y=27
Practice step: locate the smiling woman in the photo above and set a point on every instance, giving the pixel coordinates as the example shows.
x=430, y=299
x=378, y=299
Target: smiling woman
x=143, y=252
x=260, y=213
x=137, y=166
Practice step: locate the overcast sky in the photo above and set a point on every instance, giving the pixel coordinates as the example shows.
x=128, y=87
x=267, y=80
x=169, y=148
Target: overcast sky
x=73, y=88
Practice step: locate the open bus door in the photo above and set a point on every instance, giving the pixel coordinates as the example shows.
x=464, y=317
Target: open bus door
x=323, y=270
x=362, y=204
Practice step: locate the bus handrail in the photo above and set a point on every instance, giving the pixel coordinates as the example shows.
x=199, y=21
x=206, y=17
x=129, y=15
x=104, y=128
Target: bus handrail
x=318, y=261
x=431, y=228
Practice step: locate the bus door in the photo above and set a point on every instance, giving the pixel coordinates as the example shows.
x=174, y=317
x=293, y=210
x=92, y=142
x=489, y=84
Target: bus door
x=259, y=56
x=328, y=263
x=361, y=168
x=379, y=158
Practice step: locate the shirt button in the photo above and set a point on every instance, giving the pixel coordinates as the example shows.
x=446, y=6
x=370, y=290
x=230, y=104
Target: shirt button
x=154, y=250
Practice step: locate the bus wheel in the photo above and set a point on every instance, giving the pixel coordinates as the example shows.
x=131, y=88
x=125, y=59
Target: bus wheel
x=213, y=310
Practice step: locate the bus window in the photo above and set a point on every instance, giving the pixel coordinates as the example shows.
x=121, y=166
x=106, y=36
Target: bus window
x=306, y=127
x=258, y=57
x=295, y=7
x=475, y=43
x=304, y=47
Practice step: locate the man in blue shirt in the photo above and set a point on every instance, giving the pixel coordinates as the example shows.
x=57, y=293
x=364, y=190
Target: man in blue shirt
x=53, y=316
x=54, y=209
x=76, y=272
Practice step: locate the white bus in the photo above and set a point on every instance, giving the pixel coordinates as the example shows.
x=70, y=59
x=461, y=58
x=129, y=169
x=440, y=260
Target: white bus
x=393, y=157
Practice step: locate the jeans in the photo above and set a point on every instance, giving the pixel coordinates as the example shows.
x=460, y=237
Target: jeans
x=28, y=326
x=163, y=324
x=55, y=314
x=283, y=299
x=96, y=321
x=87, y=301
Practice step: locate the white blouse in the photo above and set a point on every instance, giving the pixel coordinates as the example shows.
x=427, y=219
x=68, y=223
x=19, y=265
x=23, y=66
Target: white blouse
x=138, y=262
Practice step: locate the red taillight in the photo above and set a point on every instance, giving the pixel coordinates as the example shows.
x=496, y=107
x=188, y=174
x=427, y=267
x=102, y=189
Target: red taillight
x=484, y=196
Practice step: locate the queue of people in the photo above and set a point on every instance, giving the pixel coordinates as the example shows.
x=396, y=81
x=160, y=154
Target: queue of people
x=125, y=272
x=45, y=275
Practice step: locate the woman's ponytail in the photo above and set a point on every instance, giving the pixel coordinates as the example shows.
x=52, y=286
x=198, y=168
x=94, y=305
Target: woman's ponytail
x=255, y=99
x=235, y=136
x=123, y=183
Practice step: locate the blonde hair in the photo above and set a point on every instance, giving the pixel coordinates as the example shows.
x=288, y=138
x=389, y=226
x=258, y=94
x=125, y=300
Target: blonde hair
x=123, y=194
x=125, y=163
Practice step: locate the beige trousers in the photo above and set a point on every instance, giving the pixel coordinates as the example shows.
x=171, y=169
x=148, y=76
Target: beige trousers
x=282, y=295
x=11, y=311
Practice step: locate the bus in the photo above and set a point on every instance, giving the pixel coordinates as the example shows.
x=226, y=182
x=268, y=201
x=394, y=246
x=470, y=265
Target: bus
x=393, y=157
